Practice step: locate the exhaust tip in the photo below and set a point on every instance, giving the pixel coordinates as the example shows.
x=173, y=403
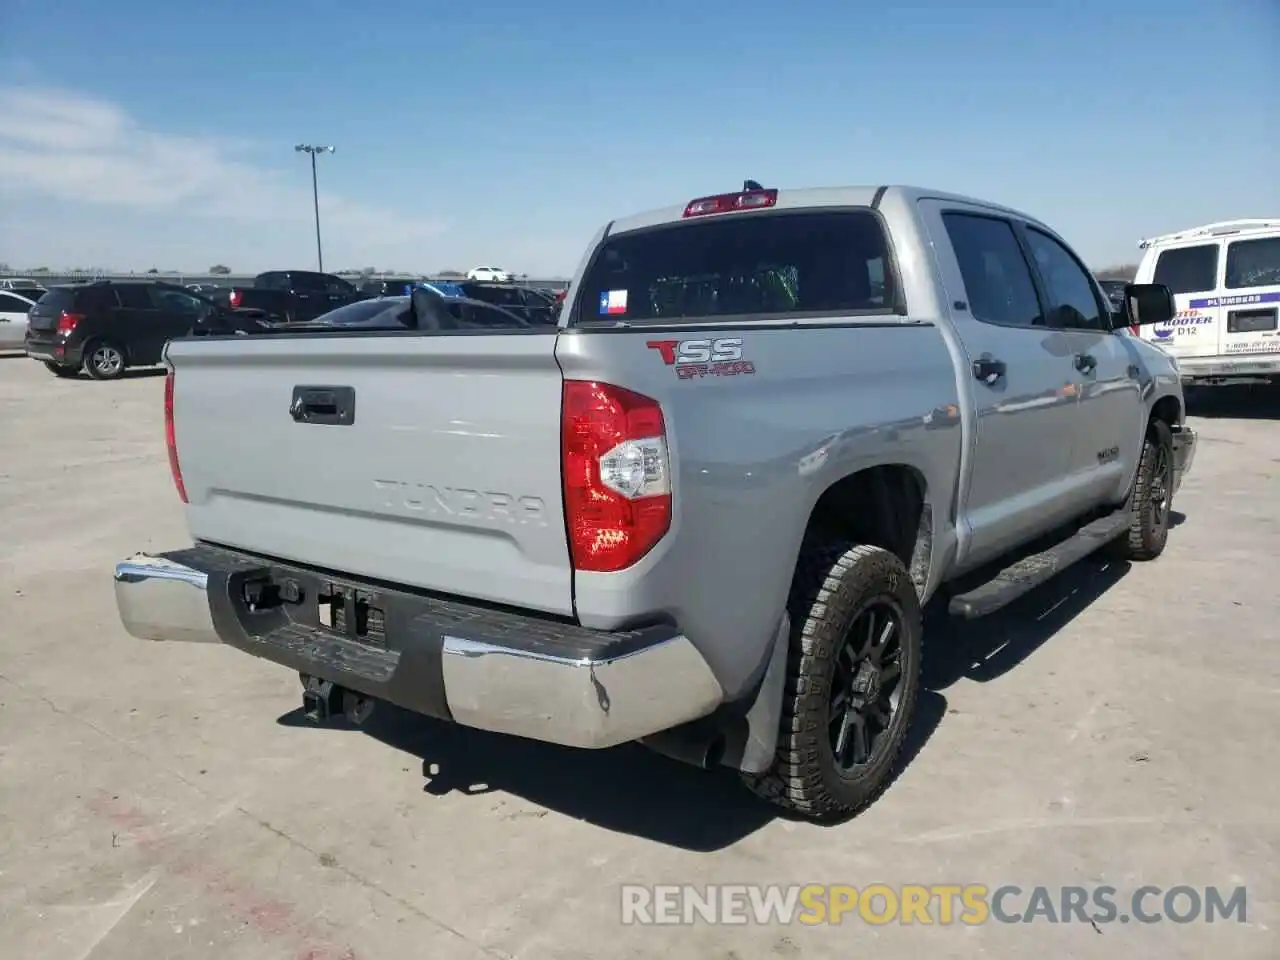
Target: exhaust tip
x=691, y=744
x=714, y=753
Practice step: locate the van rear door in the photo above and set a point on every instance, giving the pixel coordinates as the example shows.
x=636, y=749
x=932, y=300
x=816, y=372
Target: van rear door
x=1249, y=303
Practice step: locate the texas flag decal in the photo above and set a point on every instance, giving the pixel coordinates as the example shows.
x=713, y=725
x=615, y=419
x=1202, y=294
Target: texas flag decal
x=613, y=302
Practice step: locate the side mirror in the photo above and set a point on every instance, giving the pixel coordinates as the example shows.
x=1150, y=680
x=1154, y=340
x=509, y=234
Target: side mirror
x=1147, y=303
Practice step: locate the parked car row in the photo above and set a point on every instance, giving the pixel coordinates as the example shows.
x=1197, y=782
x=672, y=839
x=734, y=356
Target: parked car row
x=104, y=327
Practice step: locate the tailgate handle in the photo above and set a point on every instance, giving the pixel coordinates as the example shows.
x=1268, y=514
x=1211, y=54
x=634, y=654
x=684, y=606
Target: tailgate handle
x=331, y=405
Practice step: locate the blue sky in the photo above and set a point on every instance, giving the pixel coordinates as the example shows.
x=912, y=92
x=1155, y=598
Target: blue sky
x=139, y=133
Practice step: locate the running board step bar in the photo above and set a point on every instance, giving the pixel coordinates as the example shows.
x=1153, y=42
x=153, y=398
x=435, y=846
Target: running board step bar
x=1029, y=572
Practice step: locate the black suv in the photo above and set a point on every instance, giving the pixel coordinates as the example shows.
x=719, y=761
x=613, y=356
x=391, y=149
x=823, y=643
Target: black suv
x=525, y=302
x=108, y=325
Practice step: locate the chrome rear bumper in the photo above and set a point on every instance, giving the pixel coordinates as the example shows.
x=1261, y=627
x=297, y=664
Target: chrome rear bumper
x=493, y=671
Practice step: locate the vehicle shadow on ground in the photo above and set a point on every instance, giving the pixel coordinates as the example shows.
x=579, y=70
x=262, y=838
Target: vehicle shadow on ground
x=143, y=373
x=627, y=789
x=135, y=374
x=986, y=649
x=1241, y=402
x=631, y=790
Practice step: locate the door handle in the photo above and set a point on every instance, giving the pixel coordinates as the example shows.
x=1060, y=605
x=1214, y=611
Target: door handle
x=1085, y=362
x=988, y=370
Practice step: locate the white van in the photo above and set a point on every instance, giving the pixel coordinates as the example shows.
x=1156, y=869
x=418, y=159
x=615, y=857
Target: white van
x=1225, y=278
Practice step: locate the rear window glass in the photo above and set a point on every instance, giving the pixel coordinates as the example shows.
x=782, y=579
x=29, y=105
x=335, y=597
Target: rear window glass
x=1188, y=269
x=134, y=297
x=482, y=315
x=308, y=282
x=57, y=300
x=755, y=264
x=12, y=302
x=502, y=296
x=1253, y=263
x=376, y=312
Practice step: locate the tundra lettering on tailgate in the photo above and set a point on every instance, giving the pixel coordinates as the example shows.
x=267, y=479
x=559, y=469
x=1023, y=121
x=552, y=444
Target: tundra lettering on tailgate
x=455, y=502
x=700, y=358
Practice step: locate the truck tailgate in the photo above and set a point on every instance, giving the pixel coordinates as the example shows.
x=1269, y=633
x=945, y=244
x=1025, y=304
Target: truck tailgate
x=447, y=476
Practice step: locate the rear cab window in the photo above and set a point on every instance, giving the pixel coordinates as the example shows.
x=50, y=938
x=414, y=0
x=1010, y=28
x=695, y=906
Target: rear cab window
x=273, y=280
x=310, y=282
x=997, y=277
x=754, y=266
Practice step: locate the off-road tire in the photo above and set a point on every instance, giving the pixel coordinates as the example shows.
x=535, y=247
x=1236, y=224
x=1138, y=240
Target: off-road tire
x=1148, y=528
x=835, y=581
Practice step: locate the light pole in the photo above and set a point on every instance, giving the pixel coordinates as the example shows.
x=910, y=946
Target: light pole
x=313, y=149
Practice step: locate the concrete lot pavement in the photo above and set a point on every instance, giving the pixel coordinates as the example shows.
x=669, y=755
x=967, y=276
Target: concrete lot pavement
x=166, y=800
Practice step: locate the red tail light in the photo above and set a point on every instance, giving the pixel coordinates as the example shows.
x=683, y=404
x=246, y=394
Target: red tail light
x=169, y=440
x=617, y=475
x=725, y=202
x=234, y=299
x=67, y=321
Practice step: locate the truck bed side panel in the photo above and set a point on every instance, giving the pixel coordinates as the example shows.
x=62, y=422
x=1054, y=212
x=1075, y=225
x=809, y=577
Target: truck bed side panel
x=752, y=454
x=448, y=479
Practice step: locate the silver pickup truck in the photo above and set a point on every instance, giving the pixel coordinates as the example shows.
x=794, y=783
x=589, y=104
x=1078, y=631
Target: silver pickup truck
x=704, y=511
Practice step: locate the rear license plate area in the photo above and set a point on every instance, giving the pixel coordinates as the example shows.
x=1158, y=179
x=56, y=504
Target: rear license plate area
x=352, y=613
x=1251, y=321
